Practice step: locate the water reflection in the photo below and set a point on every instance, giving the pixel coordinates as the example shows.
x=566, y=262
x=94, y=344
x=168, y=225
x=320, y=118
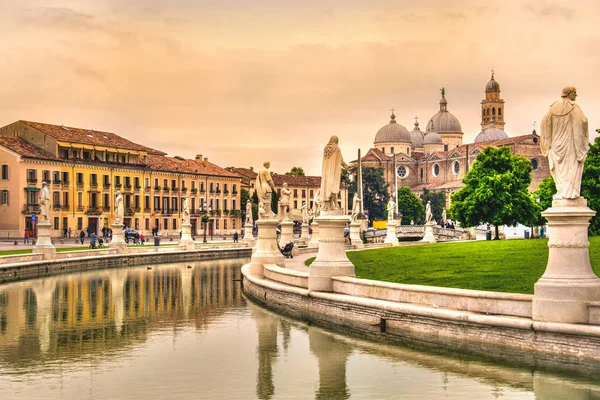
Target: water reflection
x=178, y=331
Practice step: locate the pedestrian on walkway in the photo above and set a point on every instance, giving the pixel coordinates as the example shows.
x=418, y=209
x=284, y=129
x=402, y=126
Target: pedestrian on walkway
x=26, y=237
x=69, y=233
x=235, y=237
x=81, y=236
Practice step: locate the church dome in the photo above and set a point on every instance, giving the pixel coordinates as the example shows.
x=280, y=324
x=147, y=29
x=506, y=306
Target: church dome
x=393, y=133
x=416, y=136
x=443, y=121
x=432, y=138
x=491, y=133
x=492, y=85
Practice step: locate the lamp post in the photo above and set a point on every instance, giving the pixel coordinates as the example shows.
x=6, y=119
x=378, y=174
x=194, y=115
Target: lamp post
x=211, y=231
x=205, y=219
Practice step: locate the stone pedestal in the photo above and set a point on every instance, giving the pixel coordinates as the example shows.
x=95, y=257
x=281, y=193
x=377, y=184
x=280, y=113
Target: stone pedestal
x=391, y=236
x=562, y=293
x=43, y=243
x=429, y=237
x=287, y=233
x=118, y=240
x=266, y=250
x=331, y=258
x=248, y=237
x=314, y=240
x=305, y=238
x=355, y=238
x=186, y=242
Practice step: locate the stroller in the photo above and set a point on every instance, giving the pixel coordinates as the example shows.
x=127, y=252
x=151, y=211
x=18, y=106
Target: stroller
x=101, y=244
x=287, y=250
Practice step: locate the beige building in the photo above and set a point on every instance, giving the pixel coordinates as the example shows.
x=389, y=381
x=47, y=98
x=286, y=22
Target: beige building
x=85, y=168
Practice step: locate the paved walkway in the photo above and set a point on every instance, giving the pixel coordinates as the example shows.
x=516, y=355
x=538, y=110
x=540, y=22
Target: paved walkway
x=297, y=263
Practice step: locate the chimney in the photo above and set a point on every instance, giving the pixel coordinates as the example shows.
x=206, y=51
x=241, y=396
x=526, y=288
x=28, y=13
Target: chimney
x=198, y=157
x=205, y=158
x=252, y=169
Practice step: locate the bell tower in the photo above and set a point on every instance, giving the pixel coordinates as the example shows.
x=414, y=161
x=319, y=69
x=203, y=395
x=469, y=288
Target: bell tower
x=492, y=108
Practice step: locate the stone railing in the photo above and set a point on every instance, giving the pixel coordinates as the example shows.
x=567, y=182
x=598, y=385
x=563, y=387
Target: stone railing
x=447, y=233
x=410, y=231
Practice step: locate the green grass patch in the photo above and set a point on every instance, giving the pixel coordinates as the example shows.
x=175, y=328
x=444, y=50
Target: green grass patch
x=63, y=249
x=14, y=252
x=510, y=266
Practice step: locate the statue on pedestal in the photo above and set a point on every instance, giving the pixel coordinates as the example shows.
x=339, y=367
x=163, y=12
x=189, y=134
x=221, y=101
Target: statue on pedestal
x=44, y=202
x=331, y=174
x=119, y=209
x=391, y=209
x=564, y=140
x=444, y=215
x=317, y=204
x=264, y=187
x=356, y=200
x=305, y=214
x=186, y=211
x=249, y=220
x=284, y=203
x=428, y=214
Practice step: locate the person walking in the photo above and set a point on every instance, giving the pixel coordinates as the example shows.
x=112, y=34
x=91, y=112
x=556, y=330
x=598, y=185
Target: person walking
x=26, y=237
x=69, y=233
x=93, y=240
x=235, y=237
x=81, y=236
x=65, y=232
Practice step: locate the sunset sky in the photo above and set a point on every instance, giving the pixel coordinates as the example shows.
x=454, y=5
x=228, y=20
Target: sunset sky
x=244, y=81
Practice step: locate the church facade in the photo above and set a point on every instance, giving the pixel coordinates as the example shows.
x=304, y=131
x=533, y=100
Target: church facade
x=437, y=159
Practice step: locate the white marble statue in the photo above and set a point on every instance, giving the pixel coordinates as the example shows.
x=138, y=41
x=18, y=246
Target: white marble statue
x=186, y=211
x=564, y=139
x=264, y=188
x=249, y=220
x=44, y=201
x=119, y=209
x=305, y=214
x=391, y=209
x=444, y=215
x=284, y=203
x=356, y=200
x=317, y=204
x=428, y=214
x=331, y=174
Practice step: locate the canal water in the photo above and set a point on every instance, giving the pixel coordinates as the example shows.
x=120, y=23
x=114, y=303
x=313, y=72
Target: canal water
x=178, y=331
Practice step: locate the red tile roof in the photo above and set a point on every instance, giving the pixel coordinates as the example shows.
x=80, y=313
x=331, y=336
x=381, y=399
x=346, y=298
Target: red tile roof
x=24, y=148
x=174, y=164
x=88, y=136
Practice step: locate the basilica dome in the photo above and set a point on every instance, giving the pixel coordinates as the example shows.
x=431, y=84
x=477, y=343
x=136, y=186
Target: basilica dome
x=491, y=133
x=416, y=136
x=492, y=85
x=443, y=121
x=393, y=133
x=432, y=138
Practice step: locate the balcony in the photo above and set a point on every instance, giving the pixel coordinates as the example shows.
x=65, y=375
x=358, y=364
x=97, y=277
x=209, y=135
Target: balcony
x=65, y=207
x=31, y=209
x=32, y=181
x=137, y=188
x=127, y=188
x=137, y=209
x=129, y=212
x=147, y=210
x=212, y=191
x=94, y=186
x=194, y=190
x=147, y=188
x=56, y=207
x=94, y=210
x=65, y=184
x=106, y=208
x=167, y=211
x=118, y=186
x=80, y=208
x=183, y=190
x=195, y=212
x=234, y=192
x=218, y=191
x=79, y=185
x=166, y=189
x=175, y=189
x=157, y=188
x=56, y=182
x=106, y=186
x=202, y=191
x=225, y=191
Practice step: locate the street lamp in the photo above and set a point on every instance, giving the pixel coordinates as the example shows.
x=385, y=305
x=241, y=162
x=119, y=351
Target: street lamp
x=212, y=230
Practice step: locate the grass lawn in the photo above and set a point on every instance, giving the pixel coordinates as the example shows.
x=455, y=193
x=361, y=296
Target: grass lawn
x=13, y=252
x=511, y=266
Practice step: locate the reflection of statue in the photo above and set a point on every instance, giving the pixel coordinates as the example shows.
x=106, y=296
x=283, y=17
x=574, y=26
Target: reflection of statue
x=44, y=201
x=444, y=215
x=428, y=214
x=305, y=216
x=331, y=174
x=317, y=204
x=284, y=203
x=186, y=211
x=356, y=200
x=249, y=220
x=264, y=187
x=119, y=210
x=565, y=140
x=391, y=209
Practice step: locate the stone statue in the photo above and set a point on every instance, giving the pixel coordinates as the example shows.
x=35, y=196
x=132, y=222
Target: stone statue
x=284, y=203
x=564, y=139
x=45, y=201
x=249, y=220
x=356, y=200
x=331, y=174
x=428, y=214
x=391, y=209
x=444, y=215
x=264, y=187
x=186, y=211
x=317, y=203
x=119, y=209
x=305, y=215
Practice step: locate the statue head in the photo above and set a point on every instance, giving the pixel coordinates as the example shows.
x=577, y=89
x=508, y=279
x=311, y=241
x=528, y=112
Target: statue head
x=285, y=185
x=333, y=140
x=44, y=183
x=267, y=164
x=569, y=92
x=118, y=192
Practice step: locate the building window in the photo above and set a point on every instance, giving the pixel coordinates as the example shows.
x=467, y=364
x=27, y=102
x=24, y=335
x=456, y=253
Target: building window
x=455, y=167
x=5, y=197
x=80, y=178
x=435, y=170
x=56, y=223
x=156, y=223
x=392, y=149
x=137, y=224
x=534, y=164
x=224, y=224
x=303, y=193
x=445, y=147
x=165, y=224
x=311, y=194
x=295, y=192
x=234, y=190
x=174, y=223
x=234, y=204
x=217, y=224
x=402, y=172
x=46, y=176
x=80, y=199
x=32, y=175
x=147, y=224
x=233, y=224
x=383, y=149
x=79, y=223
x=295, y=204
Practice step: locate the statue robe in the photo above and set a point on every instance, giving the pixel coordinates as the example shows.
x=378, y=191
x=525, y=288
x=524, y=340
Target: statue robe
x=564, y=140
x=263, y=186
x=331, y=174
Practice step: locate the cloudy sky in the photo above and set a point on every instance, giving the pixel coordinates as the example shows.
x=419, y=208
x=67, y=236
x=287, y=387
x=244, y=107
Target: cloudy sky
x=245, y=81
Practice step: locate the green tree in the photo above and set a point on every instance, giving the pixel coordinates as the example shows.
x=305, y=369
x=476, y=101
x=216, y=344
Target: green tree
x=375, y=192
x=274, y=202
x=590, y=184
x=495, y=191
x=254, y=206
x=438, y=202
x=410, y=206
x=351, y=184
x=298, y=171
x=544, y=193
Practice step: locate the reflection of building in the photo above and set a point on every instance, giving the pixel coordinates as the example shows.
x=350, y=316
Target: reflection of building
x=302, y=188
x=85, y=168
x=437, y=159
